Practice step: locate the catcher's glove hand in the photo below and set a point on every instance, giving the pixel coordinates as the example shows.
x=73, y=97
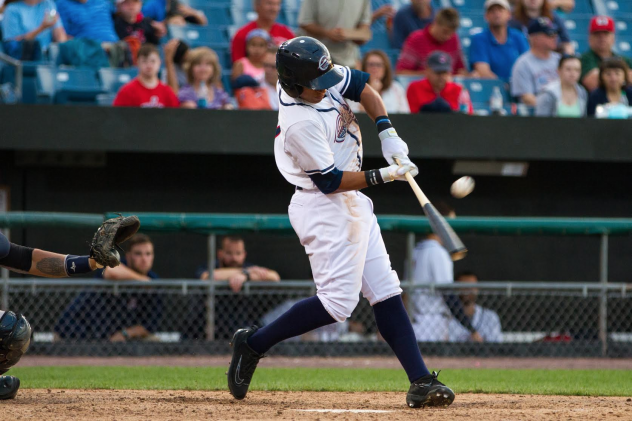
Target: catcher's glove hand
x=109, y=235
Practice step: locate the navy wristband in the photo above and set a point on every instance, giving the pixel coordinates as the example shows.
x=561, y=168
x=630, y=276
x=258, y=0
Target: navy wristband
x=373, y=177
x=77, y=264
x=383, y=123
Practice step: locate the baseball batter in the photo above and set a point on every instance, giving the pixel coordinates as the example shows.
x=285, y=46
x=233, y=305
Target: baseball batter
x=15, y=330
x=318, y=149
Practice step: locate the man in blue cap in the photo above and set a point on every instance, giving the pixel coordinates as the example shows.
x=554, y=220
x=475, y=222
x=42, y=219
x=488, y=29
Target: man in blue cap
x=538, y=66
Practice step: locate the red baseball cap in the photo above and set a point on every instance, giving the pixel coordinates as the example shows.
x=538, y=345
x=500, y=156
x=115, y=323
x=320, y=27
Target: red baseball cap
x=601, y=24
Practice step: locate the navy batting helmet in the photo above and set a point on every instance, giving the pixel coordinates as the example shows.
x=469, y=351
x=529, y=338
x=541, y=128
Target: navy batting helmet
x=305, y=62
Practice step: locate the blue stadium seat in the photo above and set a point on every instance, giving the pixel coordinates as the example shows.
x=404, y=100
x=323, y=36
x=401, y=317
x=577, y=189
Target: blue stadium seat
x=226, y=83
x=63, y=86
x=379, y=41
x=195, y=36
x=113, y=79
x=624, y=27
x=623, y=45
x=241, y=17
x=243, y=4
x=481, y=89
x=406, y=80
x=105, y=100
x=582, y=7
x=580, y=42
x=467, y=7
x=577, y=25
x=472, y=23
x=223, y=54
x=619, y=8
x=288, y=17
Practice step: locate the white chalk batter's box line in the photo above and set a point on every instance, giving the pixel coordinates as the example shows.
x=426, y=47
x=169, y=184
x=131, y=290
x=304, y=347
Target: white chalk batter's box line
x=341, y=411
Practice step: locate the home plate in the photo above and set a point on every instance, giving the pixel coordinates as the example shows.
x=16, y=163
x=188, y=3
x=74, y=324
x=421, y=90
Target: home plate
x=340, y=411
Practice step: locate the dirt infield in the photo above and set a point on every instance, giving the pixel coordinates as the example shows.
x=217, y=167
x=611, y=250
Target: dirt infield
x=335, y=362
x=132, y=405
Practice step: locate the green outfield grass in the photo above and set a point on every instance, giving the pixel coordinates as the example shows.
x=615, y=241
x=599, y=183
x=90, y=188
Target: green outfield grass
x=544, y=382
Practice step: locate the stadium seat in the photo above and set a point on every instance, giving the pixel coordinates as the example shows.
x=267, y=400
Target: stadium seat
x=619, y=8
x=481, y=89
x=582, y=7
x=241, y=17
x=623, y=45
x=105, y=100
x=379, y=41
x=61, y=86
x=218, y=15
x=577, y=25
x=112, y=79
x=467, y=7
x=406, y=80
x=580, y=42
x=226, y=82
x=196, y=36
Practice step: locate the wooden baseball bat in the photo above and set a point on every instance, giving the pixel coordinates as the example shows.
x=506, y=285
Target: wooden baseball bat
x=438, y=224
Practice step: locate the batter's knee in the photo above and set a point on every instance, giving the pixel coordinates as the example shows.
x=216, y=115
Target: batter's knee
x=15, y=338
x=339, y=307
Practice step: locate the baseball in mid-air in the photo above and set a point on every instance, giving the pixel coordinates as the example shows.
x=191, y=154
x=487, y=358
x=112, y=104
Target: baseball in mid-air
x=462, y=187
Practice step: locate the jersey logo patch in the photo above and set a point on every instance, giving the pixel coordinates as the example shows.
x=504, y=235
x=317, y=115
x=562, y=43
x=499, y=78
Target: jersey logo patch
x=344, y=120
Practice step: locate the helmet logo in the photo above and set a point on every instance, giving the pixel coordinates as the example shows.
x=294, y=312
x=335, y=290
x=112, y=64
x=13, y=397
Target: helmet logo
x=323, y=63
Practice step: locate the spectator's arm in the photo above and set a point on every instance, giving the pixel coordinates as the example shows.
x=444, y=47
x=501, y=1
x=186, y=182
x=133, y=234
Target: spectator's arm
x=258, y=273
x=366, y=28
x=238, y=70
x=591, y=80
x=190, y=12
x=483, y=71
x=11, y=25
x=385, y=10
x=222, y=274
x=565, y=5
x=522, y=84
x=456, y=308
x=545, y=105
x=123, y=273
x=528, y=99
x=172, y=76
x=132, y=332
x=319, y=32
x=59, y=34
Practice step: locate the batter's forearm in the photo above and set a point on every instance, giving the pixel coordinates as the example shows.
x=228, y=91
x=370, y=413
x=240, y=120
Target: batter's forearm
x=372, y=102
x=352, y=181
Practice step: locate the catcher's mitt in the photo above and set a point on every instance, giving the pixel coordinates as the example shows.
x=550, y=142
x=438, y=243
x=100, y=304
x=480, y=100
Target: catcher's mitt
x=109, y=235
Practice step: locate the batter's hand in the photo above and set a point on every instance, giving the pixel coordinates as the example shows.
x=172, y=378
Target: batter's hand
x=392, y=145
x=404, y=161
x=397, y=172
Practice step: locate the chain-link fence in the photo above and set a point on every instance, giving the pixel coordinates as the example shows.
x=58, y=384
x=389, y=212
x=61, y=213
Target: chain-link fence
x=102, y=318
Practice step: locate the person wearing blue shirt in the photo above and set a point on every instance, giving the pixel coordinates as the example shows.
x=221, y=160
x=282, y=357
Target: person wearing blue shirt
x=90, y=19
x=417, y=15
x=31, y=20
x=494, y=51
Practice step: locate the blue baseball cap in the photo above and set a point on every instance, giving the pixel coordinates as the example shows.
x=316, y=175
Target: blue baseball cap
x=543, y=25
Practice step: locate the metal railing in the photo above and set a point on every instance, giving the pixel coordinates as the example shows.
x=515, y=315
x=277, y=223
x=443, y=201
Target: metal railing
x=87, y=316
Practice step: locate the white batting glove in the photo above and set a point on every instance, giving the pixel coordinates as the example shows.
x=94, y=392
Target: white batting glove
x=392, y=145
x=397, y=172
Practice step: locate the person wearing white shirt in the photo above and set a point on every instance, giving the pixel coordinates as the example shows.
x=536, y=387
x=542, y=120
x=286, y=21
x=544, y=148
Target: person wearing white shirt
x=485, y=320
x=271, y=77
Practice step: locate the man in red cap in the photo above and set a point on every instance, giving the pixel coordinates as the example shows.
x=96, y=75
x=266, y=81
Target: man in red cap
x=601, y=42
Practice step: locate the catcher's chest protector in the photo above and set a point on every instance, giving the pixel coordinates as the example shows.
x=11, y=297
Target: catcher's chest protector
x=15, y=338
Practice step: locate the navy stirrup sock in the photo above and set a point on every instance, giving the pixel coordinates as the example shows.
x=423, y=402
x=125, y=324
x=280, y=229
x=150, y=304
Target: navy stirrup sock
x=303, y=317
x=394, y=325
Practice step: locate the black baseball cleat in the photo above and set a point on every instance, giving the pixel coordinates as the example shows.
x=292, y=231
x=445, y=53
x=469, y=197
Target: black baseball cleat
x=9, y=386
x=243, y=363
x=428, y=391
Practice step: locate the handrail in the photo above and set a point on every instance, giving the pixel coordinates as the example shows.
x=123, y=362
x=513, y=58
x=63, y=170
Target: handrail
x=206, y=223
x=18, y=73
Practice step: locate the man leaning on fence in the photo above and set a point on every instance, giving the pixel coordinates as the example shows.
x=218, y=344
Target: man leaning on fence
x=432, y=311
x=129, y=315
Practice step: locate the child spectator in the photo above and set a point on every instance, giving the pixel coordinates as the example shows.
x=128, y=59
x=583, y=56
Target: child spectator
x=146, y=90
x=378, y=66
x=257, y=42
x=564, y=97
x=440, y=35
x=176, y=53
x=437, y=93
x=537, y=67
x=130, y=22
x=267, y=14
x=614, y=85
x=204, y=77
x=30, y=26
x=526, y=11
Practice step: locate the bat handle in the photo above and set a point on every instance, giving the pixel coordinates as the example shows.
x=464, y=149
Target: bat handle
x=423, y=200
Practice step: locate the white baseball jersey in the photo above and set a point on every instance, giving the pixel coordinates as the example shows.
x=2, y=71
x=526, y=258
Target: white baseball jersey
x=316, y=138
x=485, y=321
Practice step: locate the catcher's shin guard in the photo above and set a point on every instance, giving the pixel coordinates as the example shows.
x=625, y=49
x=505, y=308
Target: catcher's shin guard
x=243, y=363
x=428, y=391
x=9, y=386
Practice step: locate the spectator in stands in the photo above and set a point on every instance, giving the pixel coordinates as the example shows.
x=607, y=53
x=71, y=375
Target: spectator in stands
x=537, y=67
x=601, y=42
x=437, y=92
x=614, y=85
x=378, y=66
x=341, y=25
x=91, y=19
x=272, y=77
x=484, y=320
x=526, y=11
x=257, y=42
x=176, y=53
x=564, y=97
x=267, y=14
x=146, y=90
x=172, y=12
x=130, y=23
x=439, y=35
x=232, y=266
x=122, y=317
x=432, y=312
x=494, y=51
x=416, y=15
x=30, y=26
x=204, y=76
